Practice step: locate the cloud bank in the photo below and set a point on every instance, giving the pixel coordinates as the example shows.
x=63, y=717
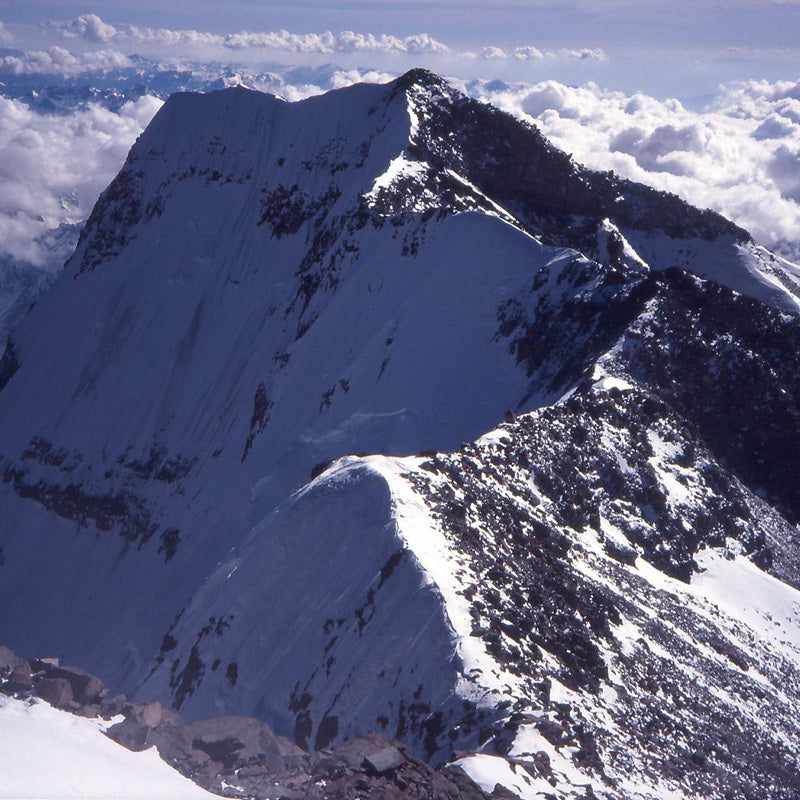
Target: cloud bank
x=740, y=157
x=530, y=53
x=59, y=61
x=52, y=168
x=93, y=30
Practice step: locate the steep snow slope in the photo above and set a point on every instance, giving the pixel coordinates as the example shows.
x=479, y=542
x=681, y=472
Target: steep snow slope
x=21, y=283
x=267, y=286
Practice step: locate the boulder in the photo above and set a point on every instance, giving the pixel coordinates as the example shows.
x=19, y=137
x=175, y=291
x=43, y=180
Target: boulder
x=169, y=717
x=56, y=691
x=133, y=735
x=20, y=678
x=371, y=752
x=237, y=741
x=148, y=714
x=174, y=742
x=86, y=688
x=384, y=760
x=111, y=706
x=43, y=664
x=89, y=710
x=9, y=659
x=288, y=748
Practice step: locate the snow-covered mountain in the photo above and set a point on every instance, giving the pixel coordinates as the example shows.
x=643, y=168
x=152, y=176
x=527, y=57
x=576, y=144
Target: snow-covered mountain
x=268, y=288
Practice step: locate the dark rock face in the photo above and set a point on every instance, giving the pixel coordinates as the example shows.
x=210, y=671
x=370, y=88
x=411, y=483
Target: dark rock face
x=728, y=365
x=549, y=194
x=9, y=364
x=724, y=362
x=116, y=213
x=46, y=474
x=509, y=504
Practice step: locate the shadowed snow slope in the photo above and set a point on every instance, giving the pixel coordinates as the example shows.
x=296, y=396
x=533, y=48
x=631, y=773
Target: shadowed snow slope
x=267, y=287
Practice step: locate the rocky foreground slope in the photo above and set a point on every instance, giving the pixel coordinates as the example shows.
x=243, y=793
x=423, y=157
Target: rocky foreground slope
x=599, y=596
x=231, y=756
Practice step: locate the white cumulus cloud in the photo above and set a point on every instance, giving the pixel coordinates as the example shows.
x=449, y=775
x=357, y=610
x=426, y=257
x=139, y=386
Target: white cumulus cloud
x=53, y=167
x=92, y=28
x=740, y=157
x=89, y=26
x=60, y=61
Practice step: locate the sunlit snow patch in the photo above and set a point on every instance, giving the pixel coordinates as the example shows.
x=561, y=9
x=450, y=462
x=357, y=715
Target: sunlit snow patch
x=51, y=753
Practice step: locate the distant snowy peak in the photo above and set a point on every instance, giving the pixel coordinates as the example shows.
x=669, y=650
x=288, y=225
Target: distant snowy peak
x=285, y=164
x=416, y=146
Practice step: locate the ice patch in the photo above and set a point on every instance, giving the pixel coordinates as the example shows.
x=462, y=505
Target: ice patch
x=605, y=382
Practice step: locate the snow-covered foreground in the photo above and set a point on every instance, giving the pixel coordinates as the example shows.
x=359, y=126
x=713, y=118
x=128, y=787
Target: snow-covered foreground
x=50, y=753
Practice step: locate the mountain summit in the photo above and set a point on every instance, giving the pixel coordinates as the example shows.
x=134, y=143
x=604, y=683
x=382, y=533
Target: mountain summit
x=268, y=288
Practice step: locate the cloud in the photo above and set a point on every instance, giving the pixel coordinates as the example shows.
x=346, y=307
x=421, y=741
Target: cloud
x=584, y=54
x=740, y=157
x=493, y=52
x=91, y=29
x=6, y=36
x=342, y=78
x=531, y=53
x=54, y=167
x=60, y=61
x=784, y=169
